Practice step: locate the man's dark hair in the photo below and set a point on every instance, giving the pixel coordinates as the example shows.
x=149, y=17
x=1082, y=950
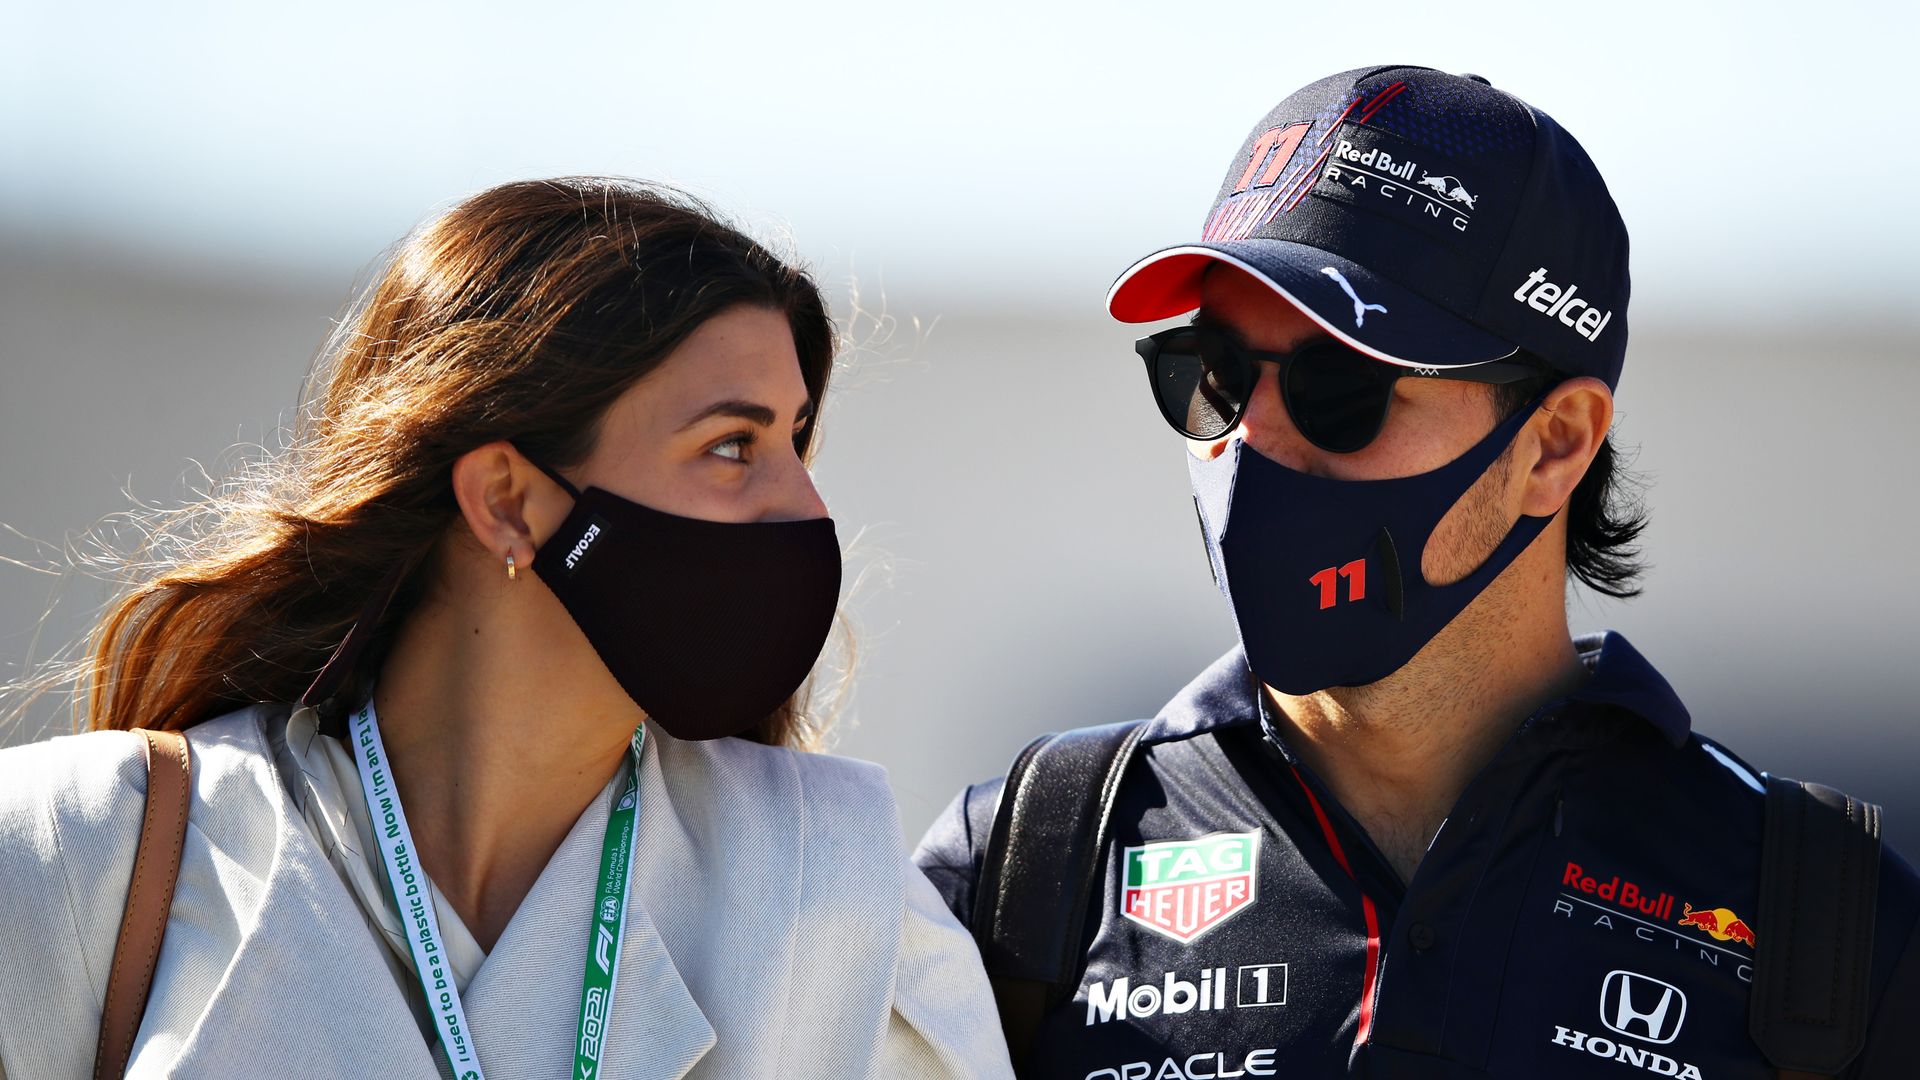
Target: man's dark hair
x=1605, y=516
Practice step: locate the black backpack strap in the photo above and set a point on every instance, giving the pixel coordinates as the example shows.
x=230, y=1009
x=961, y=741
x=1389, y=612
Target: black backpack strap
x=1042, y=861
x=1819, y=879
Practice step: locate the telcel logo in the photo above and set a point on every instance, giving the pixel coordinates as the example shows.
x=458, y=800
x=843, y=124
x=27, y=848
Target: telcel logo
x=580, y=546
x=1549, y=299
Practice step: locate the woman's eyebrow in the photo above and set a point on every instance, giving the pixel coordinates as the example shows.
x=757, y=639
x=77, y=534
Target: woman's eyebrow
x=751, y=411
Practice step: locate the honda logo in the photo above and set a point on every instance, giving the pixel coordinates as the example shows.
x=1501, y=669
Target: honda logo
x=1643, y=1008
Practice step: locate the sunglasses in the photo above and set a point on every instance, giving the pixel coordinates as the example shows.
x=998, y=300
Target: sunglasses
x=1336, y=395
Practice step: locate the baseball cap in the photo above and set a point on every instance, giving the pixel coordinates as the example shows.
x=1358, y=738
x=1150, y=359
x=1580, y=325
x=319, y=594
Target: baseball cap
x=1426, y=219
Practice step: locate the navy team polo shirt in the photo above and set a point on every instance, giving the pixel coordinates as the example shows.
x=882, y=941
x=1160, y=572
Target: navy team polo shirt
x=1586, y=910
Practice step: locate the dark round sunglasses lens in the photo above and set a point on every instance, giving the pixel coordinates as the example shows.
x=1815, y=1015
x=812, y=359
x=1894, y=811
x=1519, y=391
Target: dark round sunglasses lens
x=1337, y=396
x=1197, y=385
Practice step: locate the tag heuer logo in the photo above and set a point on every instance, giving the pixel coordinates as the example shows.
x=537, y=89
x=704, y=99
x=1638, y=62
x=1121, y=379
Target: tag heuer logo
x=1184, y=888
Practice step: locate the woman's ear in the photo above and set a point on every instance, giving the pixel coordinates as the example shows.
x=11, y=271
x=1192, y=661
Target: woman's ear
x=502, y=499
x=1570, y=427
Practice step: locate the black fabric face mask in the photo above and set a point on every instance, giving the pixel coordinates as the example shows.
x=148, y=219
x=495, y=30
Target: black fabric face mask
x=1324, y=575
x=708, y=626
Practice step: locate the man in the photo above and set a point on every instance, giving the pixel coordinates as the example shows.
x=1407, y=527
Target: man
x=1411, y=826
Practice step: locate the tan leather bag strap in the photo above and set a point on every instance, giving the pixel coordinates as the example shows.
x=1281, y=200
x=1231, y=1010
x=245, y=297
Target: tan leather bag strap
x=156, y=866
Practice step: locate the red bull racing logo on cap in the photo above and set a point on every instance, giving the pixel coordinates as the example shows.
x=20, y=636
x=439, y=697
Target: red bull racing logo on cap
x=1184, y=888
x=1282, y=164
x=1720, y=924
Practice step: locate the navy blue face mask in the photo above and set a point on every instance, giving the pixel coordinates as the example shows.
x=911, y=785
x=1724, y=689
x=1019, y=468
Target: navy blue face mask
x=1324, y=575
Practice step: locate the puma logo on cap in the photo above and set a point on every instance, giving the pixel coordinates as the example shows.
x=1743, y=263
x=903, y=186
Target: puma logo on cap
x=1360, y=307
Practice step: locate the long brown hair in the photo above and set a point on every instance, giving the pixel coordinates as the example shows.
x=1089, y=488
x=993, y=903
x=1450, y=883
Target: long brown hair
x=521, y=313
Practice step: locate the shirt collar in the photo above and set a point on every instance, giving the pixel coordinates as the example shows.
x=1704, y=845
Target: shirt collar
x=1624, y=679
x=1223, y=695
x=1219, y=697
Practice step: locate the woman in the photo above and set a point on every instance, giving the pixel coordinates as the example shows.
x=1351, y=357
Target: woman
x=548, y=534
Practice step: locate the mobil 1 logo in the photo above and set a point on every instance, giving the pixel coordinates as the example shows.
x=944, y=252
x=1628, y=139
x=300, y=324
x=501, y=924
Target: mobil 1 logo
x=1248, y=986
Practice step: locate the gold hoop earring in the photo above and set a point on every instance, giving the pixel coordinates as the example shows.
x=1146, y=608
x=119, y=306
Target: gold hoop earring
x=511, y=572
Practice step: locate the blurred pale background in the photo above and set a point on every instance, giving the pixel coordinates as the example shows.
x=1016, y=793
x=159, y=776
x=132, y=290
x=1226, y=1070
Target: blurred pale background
x=188, y=194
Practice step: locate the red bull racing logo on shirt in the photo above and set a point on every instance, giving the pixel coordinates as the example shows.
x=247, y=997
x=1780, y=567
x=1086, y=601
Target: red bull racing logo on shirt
x=1720, y=924
x=1618, y=891
x=1184, y=888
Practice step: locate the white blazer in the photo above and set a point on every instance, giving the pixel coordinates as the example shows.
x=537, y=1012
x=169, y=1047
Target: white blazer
x=774, y=929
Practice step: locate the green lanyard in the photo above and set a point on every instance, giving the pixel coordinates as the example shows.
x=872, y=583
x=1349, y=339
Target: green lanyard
x=609, y=922
x=412, y=895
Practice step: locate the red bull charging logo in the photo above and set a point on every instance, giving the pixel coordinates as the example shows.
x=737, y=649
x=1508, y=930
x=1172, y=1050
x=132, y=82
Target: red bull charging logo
x=1720, y=923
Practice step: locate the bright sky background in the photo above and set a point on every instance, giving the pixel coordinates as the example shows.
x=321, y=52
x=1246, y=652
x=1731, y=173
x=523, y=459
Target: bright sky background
x=1763, y=153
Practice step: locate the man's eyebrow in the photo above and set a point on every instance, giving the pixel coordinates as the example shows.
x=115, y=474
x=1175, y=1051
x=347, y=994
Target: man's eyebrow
x=1220, y=326
x=1208, y=322
x=752, y=411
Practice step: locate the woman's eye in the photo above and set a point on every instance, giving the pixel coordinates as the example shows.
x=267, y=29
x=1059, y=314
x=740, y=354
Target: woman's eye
x=734, y=448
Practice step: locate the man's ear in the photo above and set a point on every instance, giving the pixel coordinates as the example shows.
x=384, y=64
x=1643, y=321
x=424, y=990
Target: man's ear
x=1569, y=429
x=499, y=490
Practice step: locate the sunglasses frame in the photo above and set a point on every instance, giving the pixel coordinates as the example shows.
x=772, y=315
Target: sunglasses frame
x=1496, y=372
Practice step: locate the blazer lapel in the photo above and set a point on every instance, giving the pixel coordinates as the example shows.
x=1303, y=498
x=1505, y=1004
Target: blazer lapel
x=524, y=1002
x=307, y=992
x=721, y=867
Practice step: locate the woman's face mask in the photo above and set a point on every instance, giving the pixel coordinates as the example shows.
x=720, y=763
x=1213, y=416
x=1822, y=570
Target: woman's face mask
x=708, y=626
